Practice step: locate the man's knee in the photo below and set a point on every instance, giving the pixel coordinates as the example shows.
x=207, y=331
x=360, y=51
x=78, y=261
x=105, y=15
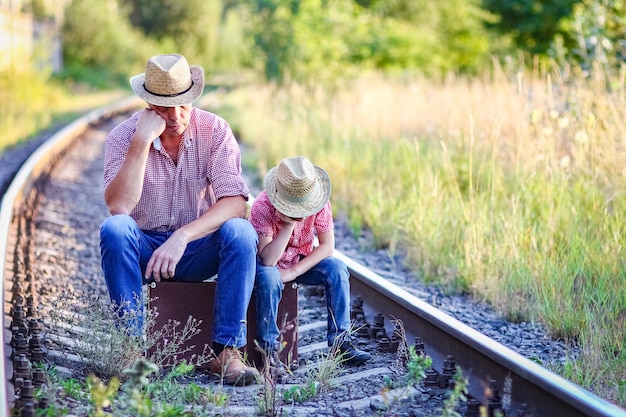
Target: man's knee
x=115, y=226
x=239, y=230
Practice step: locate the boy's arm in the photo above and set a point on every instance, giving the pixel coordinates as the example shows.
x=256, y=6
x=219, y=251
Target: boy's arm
x=325, y=249
x=271, y=249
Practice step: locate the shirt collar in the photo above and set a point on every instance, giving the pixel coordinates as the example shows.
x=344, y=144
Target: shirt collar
x=157, y=142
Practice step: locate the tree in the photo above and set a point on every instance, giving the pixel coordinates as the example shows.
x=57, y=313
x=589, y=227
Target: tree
x=189, y=27
x=97, y=35
x=532, y=24
x=308, y=40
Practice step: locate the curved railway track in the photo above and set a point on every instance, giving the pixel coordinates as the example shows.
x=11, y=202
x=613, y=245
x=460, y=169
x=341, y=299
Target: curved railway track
x=44, y=244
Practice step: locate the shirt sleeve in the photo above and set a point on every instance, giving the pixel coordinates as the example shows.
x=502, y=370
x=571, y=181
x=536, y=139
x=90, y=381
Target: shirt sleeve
x=262, y=215
x=116, y=148
x=324, y=219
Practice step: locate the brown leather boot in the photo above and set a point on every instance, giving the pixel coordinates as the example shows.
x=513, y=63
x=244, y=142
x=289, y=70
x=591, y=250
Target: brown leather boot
x=230, y=366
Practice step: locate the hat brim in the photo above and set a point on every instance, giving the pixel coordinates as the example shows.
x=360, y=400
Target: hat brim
x=197, y=76
x=302, y=209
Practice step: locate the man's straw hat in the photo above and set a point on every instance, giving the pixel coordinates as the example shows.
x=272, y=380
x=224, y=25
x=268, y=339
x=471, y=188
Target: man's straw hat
x=169, y=81
x=296, y=188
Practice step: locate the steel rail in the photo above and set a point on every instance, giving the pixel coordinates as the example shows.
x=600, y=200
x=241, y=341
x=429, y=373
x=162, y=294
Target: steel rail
x=480, y=358
x=36, y=166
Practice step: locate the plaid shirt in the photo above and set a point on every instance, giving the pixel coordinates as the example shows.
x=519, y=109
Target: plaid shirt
x=265, y=222
x=208, y=168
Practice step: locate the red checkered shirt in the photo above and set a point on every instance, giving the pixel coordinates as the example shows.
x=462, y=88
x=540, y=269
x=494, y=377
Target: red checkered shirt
x=208, y=168
x=265, y=222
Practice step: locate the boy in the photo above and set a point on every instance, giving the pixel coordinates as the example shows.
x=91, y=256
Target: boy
x=287, y=215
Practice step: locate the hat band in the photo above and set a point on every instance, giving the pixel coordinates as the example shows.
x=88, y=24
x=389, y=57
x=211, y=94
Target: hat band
x=167, y=95
x=294, y=199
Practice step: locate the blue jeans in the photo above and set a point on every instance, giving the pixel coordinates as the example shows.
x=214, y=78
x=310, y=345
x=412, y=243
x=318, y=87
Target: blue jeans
x=229, y=252
x=268, y=289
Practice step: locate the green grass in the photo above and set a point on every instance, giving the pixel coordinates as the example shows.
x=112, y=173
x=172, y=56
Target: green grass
x=509, y=188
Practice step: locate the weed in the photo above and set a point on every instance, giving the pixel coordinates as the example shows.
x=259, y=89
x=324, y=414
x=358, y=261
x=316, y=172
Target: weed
x=301, y=393
x=166, y=344
x=73, y=388
x=135, y=400
x=217, y=397
x=458, y=393
x=102, y=395
x=95, y=339
x=408, y=359
x=268, y=402
x=417, y=366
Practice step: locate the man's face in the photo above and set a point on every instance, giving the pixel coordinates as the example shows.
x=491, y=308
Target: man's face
x=176, y=118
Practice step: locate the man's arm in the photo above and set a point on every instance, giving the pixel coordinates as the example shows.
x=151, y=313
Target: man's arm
x=162, y=264
x=124, y=191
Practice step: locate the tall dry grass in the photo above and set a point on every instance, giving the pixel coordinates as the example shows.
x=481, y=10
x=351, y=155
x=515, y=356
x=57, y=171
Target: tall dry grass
x=508, y=186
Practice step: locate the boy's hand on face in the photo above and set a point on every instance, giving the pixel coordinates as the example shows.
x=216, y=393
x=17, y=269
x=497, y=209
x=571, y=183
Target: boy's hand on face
x=286, y=220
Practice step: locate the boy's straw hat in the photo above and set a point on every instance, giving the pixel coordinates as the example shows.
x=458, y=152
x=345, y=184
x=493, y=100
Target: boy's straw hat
x=169, y=81
x=296, y=188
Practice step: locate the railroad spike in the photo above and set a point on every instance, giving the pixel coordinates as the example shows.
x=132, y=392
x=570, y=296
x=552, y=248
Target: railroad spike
x=419, y=346
x=432, y=378
x=357, y=317
x=384, y=345
x=473, y=408
x=448, y=371
x=21, y=367
x=377, y=331
x=26, y=396
x=494, y=404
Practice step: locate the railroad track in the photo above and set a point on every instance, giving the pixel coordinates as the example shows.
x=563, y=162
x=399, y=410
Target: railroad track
x=49, y=245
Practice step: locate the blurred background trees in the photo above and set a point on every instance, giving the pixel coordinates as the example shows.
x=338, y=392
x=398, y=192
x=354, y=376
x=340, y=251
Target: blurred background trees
x=328, y=40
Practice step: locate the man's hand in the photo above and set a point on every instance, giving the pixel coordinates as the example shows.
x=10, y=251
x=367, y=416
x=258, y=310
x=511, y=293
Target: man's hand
x=150, y=125
x=162, y=263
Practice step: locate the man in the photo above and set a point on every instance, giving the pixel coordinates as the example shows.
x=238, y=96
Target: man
x=287, y=215
x=173, y=185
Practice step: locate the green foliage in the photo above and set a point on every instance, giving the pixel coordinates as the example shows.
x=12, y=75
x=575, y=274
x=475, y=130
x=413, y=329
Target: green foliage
x=135, y=400
x=102, y=395
x=301, y=393
x=145, y=393
x=317, y=40
x=26, y=102
x=457, y=394
x=599, y=29
x=533, y=25
x=98, y=36
x=189, y=27
x=417, y=366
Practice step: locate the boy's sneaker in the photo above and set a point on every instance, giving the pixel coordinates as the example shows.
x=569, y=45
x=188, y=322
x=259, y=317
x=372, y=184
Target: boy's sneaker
x=351, y=355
